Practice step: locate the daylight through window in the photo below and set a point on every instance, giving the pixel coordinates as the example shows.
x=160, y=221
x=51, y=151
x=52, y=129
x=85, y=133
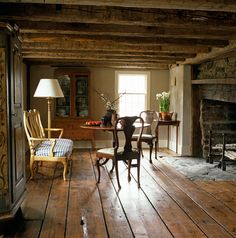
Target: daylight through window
x=135, y=86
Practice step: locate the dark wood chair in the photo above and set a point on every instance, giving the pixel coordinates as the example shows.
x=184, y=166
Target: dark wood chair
x=150, y=135
x=228, y=149
x=123, y=129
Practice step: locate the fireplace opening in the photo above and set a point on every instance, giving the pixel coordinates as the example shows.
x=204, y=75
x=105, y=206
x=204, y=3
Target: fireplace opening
x=216, y=116
x=213, y=101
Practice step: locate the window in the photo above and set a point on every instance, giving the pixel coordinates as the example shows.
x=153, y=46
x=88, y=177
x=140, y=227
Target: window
x=136, y=88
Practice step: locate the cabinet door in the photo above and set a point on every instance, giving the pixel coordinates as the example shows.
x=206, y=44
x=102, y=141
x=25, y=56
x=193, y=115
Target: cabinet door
x=17, y=132
x=4, y=174
x=63, y=105
x=81, y=99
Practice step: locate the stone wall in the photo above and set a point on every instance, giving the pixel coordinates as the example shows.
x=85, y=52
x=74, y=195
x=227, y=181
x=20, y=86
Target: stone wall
x=219, y=92
x=215, y=106
x=223, y=68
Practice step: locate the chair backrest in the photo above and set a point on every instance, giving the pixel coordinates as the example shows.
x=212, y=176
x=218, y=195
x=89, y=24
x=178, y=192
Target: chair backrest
x=150, y=117
x=33, y=125
x=127, y=126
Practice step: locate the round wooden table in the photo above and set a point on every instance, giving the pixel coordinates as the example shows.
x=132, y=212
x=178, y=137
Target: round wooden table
x=103, y=128
x=110, y=128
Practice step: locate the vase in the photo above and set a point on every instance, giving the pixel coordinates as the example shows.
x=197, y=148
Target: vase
x=107, y=119
x=165, y=116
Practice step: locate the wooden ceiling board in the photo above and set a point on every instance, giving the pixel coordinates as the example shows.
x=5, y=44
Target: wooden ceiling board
x=132, y=34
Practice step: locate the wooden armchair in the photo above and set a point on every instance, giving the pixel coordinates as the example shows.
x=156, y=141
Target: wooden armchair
x=42, y=148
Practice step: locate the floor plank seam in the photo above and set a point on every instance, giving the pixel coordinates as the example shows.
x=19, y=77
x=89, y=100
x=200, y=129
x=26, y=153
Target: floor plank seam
x=48, y=198
x=143, y=189
x=168, y=203
x=99, y=192
x=145, y=194
x=219, y=200
x=171, y=197
x=178, y=184
x=117, y=192
x=68, y=193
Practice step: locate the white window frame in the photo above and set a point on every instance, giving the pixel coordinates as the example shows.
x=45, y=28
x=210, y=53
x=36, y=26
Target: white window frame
x=147, y=73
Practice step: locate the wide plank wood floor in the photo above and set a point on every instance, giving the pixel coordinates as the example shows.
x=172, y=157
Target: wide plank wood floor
x=167, y=204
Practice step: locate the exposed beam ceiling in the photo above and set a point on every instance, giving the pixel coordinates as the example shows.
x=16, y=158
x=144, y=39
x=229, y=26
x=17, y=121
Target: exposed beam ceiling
x=147, y=34
x=205, y=5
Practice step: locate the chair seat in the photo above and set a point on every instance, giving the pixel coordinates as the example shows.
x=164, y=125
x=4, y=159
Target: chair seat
x=109, y=152
x=63, y=148
x=144, y=137
x=134, y=154
x=105, y=152
x=231, y=154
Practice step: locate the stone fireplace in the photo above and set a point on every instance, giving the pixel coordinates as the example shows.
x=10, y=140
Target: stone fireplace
x=216, y=116
x=213, y=102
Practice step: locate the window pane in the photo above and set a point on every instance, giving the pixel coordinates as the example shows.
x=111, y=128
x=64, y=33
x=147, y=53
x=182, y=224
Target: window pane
x=132, y=83
x=131, y=104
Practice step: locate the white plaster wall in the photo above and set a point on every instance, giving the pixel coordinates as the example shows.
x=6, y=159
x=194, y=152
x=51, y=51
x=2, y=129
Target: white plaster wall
x=187, y=112
x=180, y=90
x=36, y=73
x=103, y=79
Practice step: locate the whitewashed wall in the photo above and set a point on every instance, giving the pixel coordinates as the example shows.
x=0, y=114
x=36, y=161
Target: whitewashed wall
x=180, y=89
x=102, y=79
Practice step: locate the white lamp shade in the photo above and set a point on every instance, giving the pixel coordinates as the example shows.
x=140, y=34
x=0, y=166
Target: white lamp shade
x=48, y=88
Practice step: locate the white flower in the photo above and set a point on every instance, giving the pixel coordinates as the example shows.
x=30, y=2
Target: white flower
x=165, y=94
x=164, y=101
x=158, y=95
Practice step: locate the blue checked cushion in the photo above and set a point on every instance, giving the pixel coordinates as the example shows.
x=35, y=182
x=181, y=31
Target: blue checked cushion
x=63, y=147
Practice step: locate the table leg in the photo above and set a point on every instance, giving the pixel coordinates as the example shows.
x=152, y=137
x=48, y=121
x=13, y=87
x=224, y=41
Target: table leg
x=157, y=134
x=168, y=131
x=113, y=139
x=177, y=137
x=92, y=143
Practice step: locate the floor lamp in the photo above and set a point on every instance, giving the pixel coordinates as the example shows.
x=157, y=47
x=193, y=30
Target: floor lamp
x=49, y=88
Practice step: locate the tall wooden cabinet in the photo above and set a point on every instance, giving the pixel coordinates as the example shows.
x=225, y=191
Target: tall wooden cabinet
x=73, y=110
x=12, y=159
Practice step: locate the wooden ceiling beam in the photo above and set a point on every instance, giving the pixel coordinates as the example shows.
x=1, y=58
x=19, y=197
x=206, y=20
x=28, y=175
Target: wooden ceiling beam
x=109, y=46
x=111, y=57
x=205, y=5
x=32, y=38
x=79, y=63
x=215, y=52
x=116, y=15
x=123, y=30
x=113, y=53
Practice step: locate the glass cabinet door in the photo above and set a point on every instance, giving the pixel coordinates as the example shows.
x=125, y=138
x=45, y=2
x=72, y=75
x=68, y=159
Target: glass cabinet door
x=63, y=104
x=81, y=95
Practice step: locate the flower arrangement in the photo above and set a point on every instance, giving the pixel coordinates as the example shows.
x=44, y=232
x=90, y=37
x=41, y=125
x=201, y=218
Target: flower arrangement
x=111, y=105
x=164, y=101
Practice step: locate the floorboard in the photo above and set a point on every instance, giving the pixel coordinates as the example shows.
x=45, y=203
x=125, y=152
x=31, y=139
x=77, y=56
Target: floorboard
x=167, y=204
x=218, y=211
